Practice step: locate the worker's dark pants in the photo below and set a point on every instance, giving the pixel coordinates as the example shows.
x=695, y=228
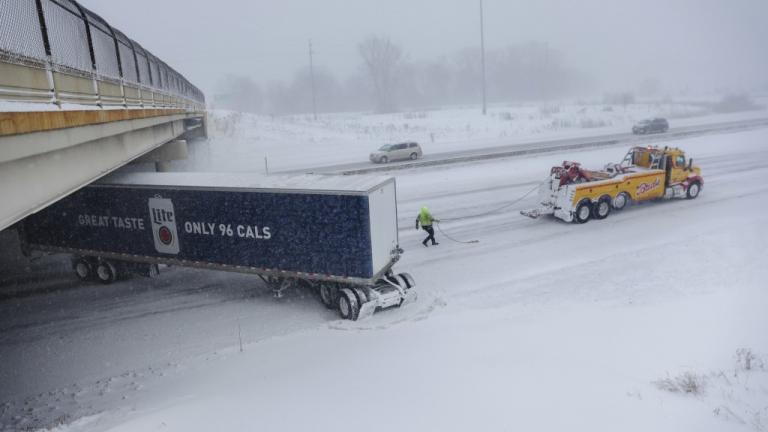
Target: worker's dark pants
x=431, y=232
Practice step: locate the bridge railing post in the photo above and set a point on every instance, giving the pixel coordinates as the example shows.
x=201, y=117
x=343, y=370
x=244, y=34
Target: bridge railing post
x=47, y=48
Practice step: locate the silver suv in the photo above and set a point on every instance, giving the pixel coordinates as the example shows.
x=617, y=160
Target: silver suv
x=391, y=152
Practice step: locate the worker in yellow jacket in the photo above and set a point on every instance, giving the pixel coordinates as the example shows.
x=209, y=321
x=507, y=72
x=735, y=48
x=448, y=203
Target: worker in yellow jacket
x=426, y=219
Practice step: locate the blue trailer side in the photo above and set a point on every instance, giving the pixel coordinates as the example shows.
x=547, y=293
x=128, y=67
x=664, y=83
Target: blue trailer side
x=309, y=233
x=286, y=234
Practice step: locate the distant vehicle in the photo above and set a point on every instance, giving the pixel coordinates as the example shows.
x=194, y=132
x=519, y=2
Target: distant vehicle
x=650, y=126
x=392, y=152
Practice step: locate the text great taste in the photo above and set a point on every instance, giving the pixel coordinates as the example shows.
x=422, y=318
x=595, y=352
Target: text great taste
x=195, y=228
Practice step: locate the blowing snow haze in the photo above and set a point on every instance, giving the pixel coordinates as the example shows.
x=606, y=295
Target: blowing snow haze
x=308, y=215
x=562, y=48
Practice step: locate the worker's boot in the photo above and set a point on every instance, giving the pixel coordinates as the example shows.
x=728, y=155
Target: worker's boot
x=424, y=243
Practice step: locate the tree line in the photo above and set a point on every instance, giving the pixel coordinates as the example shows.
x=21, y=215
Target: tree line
x=387, y=80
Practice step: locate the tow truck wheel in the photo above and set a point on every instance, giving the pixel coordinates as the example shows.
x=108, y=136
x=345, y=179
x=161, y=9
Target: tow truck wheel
x=328, y=295
x=620, y=201
x=583, y=211
x=106, y=272
x=348, y=306
x=693, y=190
x=83, y=269
x=602, y=209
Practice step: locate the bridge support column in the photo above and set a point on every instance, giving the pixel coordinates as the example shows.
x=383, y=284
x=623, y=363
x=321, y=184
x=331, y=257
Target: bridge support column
x=163, y=155
x=196, y=128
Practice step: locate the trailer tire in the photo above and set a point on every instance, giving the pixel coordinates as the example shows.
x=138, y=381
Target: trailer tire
x=602, y=209
x=106, y=272
x=362, y=296
x=328, y=295
x=348, y=306
x=83, y=269
x=406, y=281
x=583, y=211
x=621, y=201
x=693, y=190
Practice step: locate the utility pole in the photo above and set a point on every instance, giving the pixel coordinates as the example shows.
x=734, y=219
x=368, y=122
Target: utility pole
x=312, y=78
x=545, y=81
x=482, y=53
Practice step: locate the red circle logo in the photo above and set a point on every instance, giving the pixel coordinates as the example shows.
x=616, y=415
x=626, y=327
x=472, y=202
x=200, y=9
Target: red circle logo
x=165, y=235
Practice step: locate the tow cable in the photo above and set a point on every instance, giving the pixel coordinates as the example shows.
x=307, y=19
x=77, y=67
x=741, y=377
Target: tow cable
x=525, y=195
x=453, y=239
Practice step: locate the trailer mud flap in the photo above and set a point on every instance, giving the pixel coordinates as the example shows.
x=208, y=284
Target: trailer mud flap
x=366, y=310
x=410, y=297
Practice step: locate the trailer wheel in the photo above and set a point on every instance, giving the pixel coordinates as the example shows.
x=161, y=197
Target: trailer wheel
x=106, y=272
x=83, y=269
x=348, y=306
x=693, y=190
x=362, y=296
x=328, y=295
x=602, y=209
x=583, y=211
x=620, y=201
x=407, y=281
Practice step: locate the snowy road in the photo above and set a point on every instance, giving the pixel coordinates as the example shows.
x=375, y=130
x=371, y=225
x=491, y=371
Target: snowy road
x=542, y=325
x=242, y=142
x=533, y=147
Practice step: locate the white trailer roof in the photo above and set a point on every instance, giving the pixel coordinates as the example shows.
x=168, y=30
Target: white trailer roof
x=297, y=182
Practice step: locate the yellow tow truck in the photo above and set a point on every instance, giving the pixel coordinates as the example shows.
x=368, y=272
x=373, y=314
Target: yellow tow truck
x=575, y=194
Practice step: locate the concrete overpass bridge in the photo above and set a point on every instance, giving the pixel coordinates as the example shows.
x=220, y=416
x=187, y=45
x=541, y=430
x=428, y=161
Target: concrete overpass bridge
x=79, y=99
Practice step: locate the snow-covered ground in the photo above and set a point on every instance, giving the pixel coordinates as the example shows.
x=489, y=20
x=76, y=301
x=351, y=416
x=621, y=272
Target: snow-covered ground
x=241, y=142
x=643, y=321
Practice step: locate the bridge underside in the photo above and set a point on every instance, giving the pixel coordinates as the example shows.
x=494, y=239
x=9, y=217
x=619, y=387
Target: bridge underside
x=38, y=168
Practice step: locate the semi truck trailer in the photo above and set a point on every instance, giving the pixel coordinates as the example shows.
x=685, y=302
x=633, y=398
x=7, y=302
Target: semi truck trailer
x=575, y=194
x=336, y=234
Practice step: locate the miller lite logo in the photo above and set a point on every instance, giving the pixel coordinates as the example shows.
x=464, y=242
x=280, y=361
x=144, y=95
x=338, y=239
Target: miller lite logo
x=164, y=225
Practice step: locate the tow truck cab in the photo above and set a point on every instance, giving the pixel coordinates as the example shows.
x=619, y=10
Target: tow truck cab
x=677, y=170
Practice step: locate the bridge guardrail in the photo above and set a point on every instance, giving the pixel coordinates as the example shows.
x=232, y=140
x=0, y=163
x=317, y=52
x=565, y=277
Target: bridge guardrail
x=57, y=51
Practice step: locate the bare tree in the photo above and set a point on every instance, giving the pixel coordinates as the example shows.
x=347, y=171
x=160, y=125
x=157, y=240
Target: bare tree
x=381, y=60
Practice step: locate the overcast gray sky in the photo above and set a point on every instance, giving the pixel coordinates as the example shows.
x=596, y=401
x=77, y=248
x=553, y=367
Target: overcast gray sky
x=703, y=44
